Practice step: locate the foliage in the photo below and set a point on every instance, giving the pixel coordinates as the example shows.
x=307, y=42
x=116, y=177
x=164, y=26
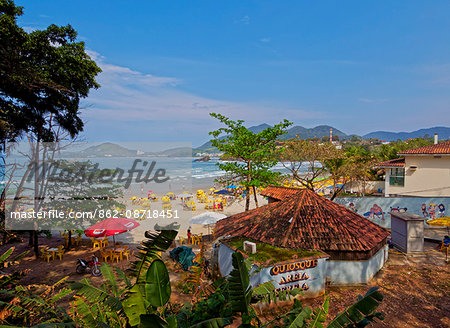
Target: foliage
x=270, y=254
x=139, y=304
x=304, y=160
x=73, y=192
x=119, y=302
x=389, y=151
x=42, y=73
x=35, y=305
x=362, y=313
x=11, y=278
x=251, y=154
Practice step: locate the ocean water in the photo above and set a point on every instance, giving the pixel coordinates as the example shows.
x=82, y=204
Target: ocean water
x=184, y=172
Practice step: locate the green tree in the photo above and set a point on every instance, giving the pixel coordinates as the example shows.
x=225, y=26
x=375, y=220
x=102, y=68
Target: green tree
x=305, y=160
x=390, y=151
x=253, y=153
x=75, y=192
x=43, y=76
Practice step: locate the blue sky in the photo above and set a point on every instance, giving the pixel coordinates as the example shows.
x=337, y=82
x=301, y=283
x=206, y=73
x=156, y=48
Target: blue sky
x=359, y=66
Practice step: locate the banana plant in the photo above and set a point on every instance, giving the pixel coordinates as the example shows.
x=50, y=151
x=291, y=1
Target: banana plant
x=139, y=304
x=35, y=306
x=362, y=313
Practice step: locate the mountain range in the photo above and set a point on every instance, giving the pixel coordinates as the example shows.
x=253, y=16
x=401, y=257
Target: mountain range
x=114, y=150
x=109, y=149
x=324, y=130
x=304, y=133
x=442, y=131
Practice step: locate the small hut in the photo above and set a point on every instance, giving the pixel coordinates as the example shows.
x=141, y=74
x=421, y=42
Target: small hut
x=357, y=247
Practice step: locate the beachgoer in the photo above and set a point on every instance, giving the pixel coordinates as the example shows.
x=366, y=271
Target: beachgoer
x=189, y=235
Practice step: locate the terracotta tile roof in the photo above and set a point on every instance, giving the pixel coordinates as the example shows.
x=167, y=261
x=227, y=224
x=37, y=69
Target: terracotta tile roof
x=440, y=148
x=308, y=221
x=397, y=162
x=278, y=192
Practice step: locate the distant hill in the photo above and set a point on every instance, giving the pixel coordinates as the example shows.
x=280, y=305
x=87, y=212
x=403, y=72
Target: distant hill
x=113, y=150
x=207, y=147
x=177, y=152
x=304, y=133
x=106, y=149
x=316, y=132
x=442, y=131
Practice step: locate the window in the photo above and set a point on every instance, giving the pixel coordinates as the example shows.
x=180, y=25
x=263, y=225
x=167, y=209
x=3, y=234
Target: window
x=397, y=177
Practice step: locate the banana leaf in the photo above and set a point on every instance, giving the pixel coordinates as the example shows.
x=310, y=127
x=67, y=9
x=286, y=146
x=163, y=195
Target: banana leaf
x=157, y=287
x=239, y=285
x=361, y=313
x=213, y=323
x=134, y=305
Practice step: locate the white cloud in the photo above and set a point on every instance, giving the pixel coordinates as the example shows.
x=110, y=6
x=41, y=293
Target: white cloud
x=29, y=29
x=127, y=95
x=265, y=40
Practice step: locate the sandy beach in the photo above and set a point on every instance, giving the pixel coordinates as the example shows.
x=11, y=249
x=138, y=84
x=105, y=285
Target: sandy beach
x=155, y=214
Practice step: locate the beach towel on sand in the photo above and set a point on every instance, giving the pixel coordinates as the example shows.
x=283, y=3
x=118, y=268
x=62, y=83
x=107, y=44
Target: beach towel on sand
x=183, y=255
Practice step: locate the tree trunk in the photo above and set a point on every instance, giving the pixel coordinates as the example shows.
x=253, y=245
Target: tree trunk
x=69, y=241
x=247, y=198
x=256, y=198
x=247, y=188
x=36, y=243
x=36, y=198
x=30, y=241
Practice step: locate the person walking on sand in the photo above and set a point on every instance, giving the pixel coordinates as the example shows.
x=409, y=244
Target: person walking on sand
x=189, y=235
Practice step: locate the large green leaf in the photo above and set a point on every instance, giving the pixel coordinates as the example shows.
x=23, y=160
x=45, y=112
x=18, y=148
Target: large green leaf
x=320, y=315
x=360, y=313
x=134, y=305
x=152, y=321
x=149, y=249
x=239, y=286
x=157, y=286
x=110, y=278
x=94, y=294
x=213, y=323
x=299, y=320
x=6, y=254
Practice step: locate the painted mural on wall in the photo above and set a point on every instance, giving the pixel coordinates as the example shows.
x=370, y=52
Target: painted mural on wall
x=377, y=209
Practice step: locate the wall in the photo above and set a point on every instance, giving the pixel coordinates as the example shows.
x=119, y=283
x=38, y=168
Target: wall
x=377, y=209
x=225, y=265
x=355, y=272
x=368, y=186
x=430, y=179
x=311, y=279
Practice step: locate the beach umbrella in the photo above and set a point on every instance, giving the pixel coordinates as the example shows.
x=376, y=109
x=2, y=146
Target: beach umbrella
x=222, y=192
x=110, y=227
x=232, y=186
x=185, y=196
x=207, y=218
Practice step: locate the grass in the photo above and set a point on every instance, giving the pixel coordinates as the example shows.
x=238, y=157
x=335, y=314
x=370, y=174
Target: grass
x=270, y=254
